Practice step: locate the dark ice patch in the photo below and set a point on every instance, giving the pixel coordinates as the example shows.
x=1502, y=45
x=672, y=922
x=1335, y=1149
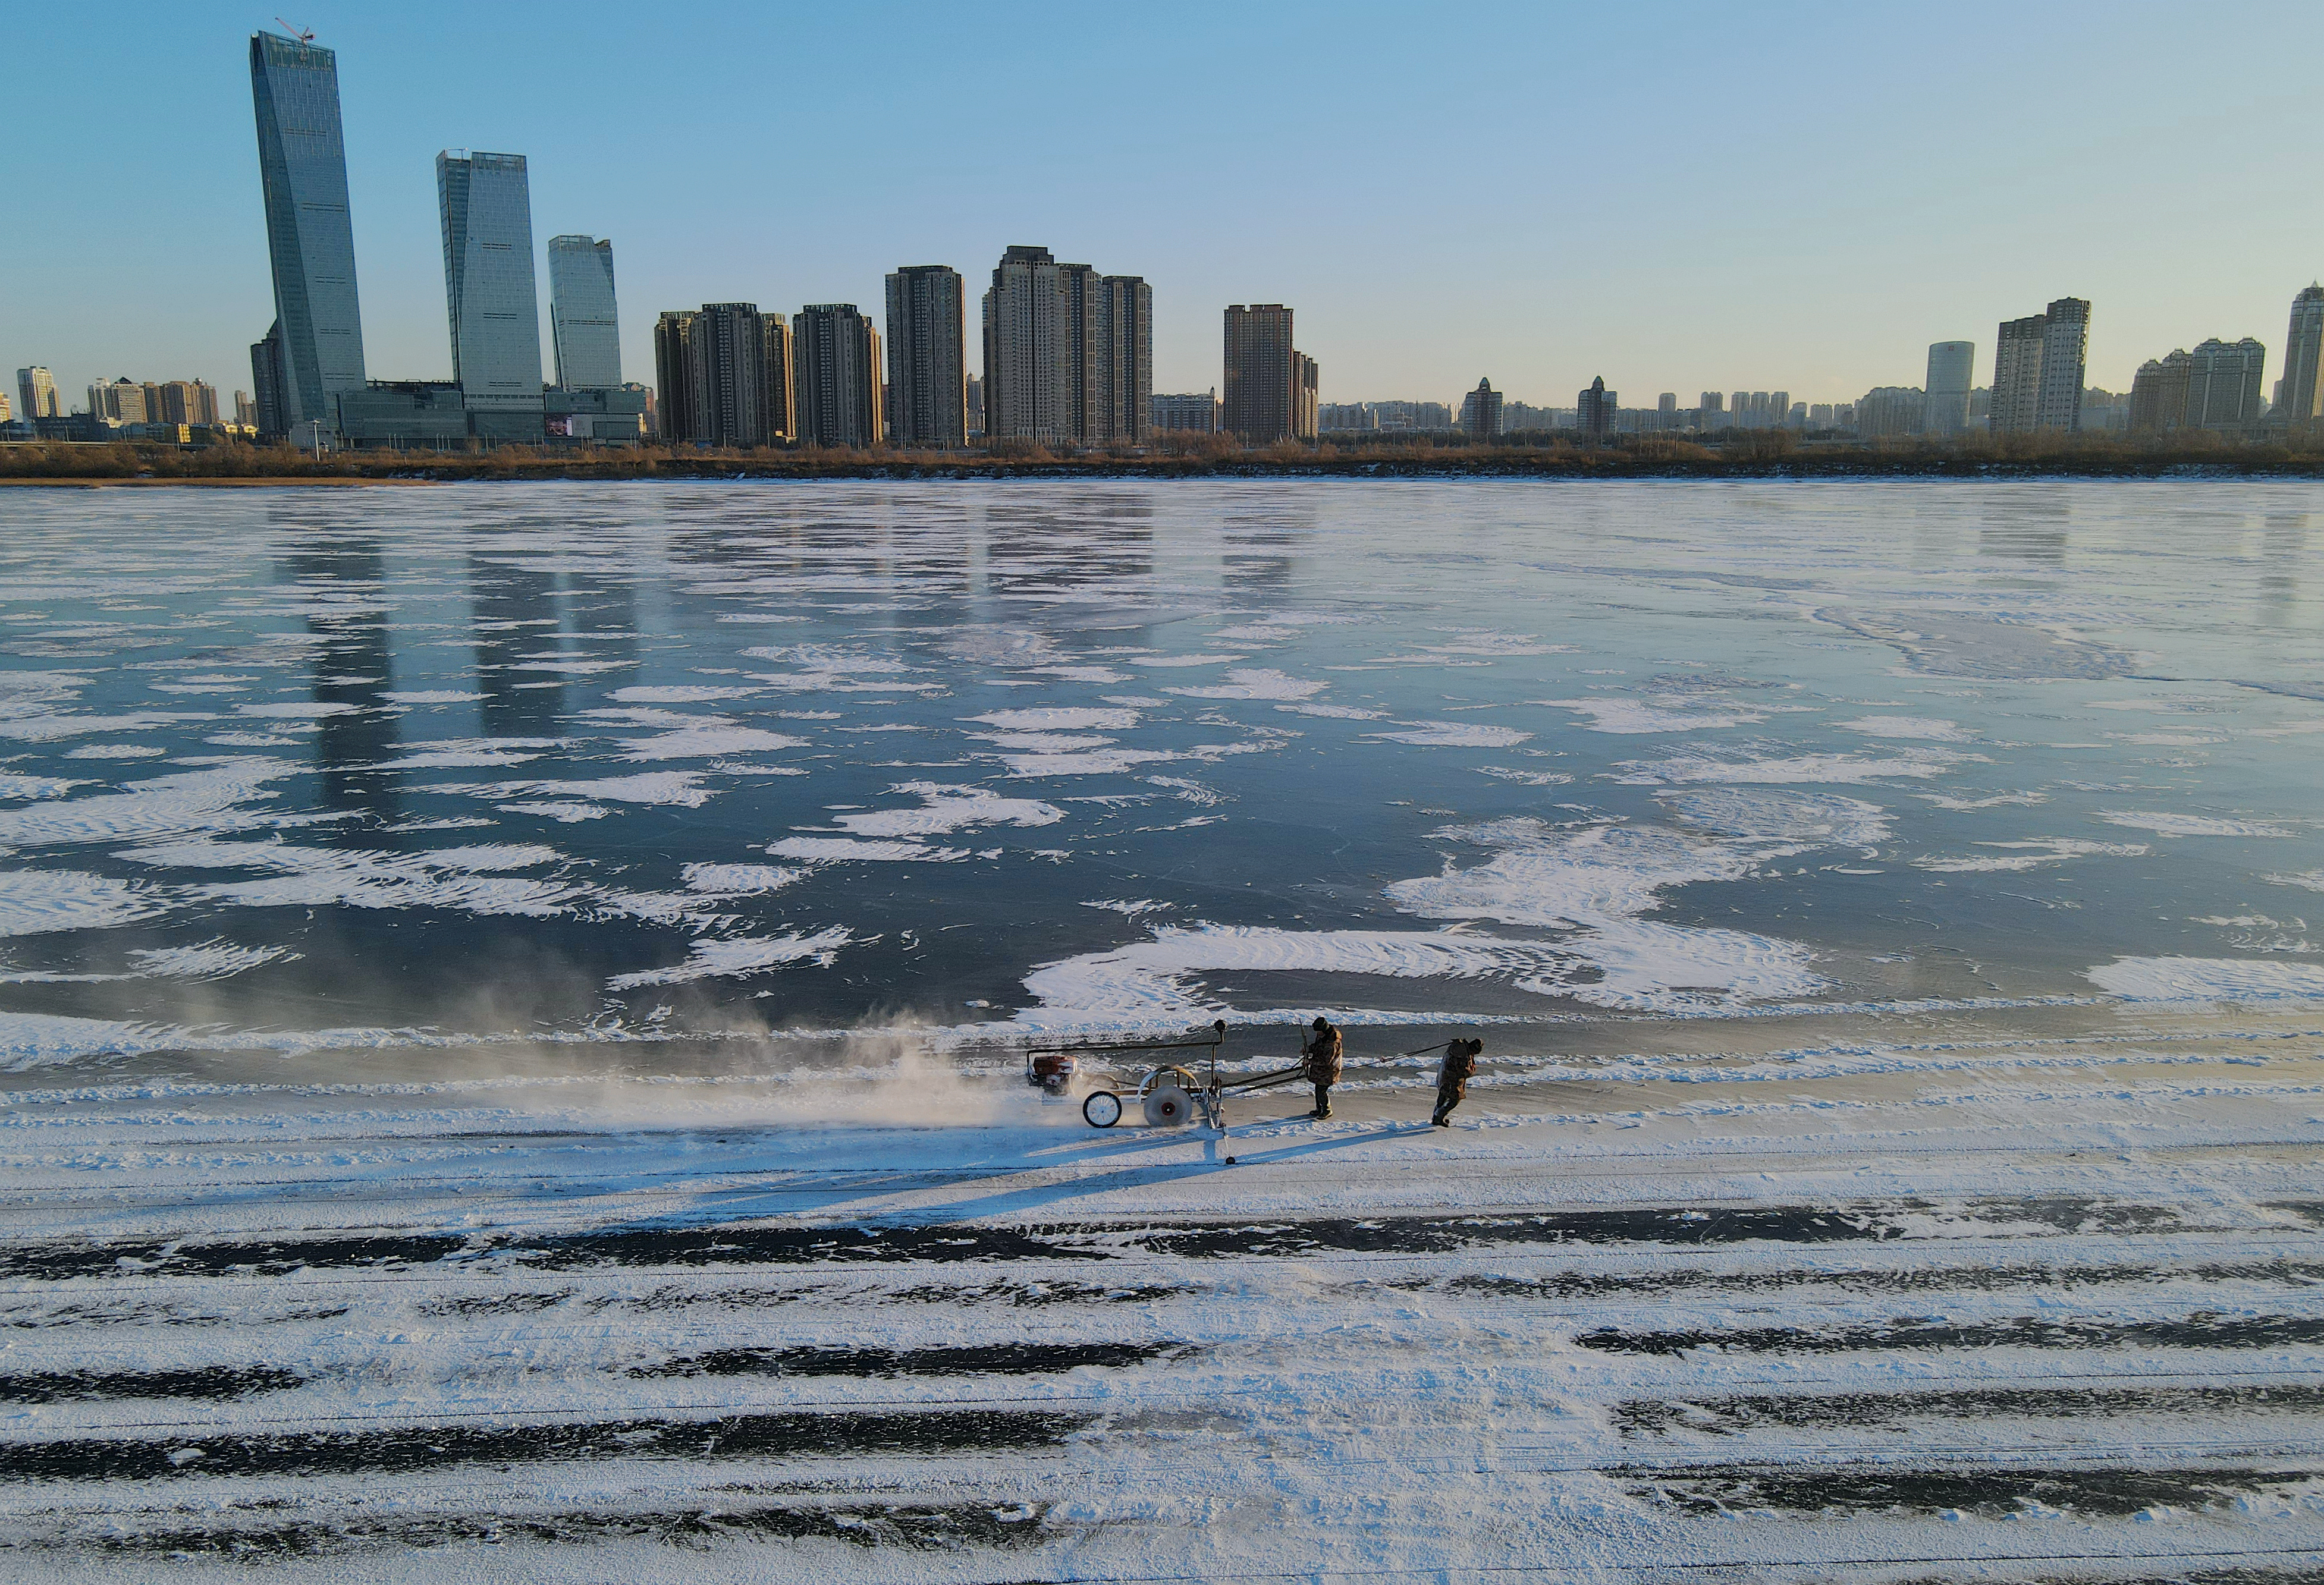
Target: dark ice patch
x=1728, y=1416
x=55, y=1262
x=975, y=1360
x=212, y=1381
x=495, y=1304
x=1921, y=1279
x=1989, y=1494
x=907, y=1526
x=2027, y=1332
x=434, y=1447
x=706, y=1246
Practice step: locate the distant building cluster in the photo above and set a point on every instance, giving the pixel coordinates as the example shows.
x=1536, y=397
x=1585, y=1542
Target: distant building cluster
x=1067, y=351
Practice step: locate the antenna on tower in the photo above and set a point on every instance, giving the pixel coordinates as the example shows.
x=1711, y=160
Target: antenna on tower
x=304, y=35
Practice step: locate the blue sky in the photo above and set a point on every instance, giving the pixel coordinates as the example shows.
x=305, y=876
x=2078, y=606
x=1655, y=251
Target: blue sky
x=1677, y=197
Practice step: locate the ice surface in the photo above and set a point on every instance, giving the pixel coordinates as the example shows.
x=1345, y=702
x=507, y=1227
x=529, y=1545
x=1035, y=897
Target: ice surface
x=711, y=737
x=1246, y=683
x=32, y=902
x=1840, y=769
x=209, y=799
x=946, y=809
x=827, y=850
x=1455, y=734
x=1059, y=718
x=680, y=789
x=2168, y=825
x=1926, y=728
x=2010, y=856
x=1792, y=751
x=740, y=957
x=1634, y=716
x=2187, y=979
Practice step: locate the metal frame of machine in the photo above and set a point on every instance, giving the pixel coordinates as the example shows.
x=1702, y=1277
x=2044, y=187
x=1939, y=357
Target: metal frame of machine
x=1168, y=1095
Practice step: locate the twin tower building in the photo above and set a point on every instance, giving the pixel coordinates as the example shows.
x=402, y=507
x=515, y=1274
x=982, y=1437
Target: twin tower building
x=308, y=374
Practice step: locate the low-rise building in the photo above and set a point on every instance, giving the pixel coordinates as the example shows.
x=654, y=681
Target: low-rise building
x=1192, y=411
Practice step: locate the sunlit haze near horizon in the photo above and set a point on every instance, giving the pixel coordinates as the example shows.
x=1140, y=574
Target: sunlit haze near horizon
x=1677, y=198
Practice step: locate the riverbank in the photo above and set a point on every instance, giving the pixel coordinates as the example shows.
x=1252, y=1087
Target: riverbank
x=1752, y=456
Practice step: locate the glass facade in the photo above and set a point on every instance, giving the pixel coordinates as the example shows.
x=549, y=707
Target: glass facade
x=582, y=318
x=488, y=281
x=302, y=167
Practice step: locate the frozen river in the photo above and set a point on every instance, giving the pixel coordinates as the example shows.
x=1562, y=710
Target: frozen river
x=583, y=760
x=508, y=998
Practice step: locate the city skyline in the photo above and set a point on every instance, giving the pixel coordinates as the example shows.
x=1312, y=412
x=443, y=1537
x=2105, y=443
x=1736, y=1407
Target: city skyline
x=1702, y=291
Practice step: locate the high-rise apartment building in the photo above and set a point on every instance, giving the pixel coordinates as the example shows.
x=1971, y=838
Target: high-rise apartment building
x=1594, y=408
x=836, y=369
x=1306, y=397
x=2065, y=348
x=1125, y=359
x=2038, y=369
x=2158, y=394
x=182, y=402
x=725, y=376
x=1944, y=402
x=2017, y=375
x=1026, y=388
x=2303, y=398
x=927, y=358
x=2223, y=385
x=316, y=346
x=245, y=410
x=123, y=401
x=583, y=324
x=1263, y=376
x=1481, y=411
x=37, y=395
x=489, y=292
x=267, y=379
x=1068, y=353
x=1889, y=410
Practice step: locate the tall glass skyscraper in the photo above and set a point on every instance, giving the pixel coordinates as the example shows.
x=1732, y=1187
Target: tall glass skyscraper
x=582, y=319
x=488, y=286
x=302, y=166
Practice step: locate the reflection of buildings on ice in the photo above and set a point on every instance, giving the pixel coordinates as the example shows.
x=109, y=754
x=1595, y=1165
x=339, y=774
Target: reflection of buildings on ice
x=515, y=621
x=2026, y=526
x=343, y=584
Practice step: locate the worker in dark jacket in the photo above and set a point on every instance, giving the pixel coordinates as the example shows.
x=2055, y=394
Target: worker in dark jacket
x=1322, y=1051
x=1459, y=1066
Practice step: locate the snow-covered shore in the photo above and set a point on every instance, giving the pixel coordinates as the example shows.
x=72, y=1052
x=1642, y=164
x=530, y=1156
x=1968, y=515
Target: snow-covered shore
x=2035, y=1305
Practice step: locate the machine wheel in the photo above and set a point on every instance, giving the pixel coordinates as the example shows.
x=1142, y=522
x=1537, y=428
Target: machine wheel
x=1102, y=1108
x=1167, y=1106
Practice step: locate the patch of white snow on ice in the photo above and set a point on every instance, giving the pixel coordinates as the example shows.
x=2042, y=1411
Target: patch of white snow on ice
x=2168, y=825
x=741, y=957
x=32, y=902
x=1629, y=716
x=945, y=810
x=1453, y=734
x=1255, y=683
x=827, y=850
x=1924, y=728
x=1835, y=769
x=2174, y=979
